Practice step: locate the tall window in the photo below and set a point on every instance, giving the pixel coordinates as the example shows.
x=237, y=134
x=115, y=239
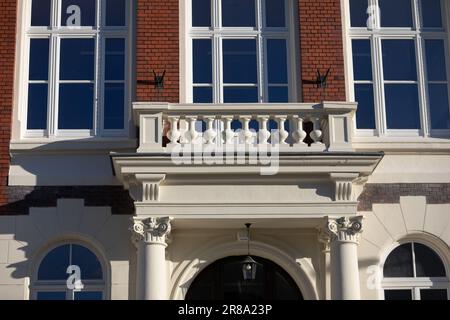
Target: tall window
x=241, y=51
x=58, y=272
x=76, y=70
x=413, y=271
x=400, y=66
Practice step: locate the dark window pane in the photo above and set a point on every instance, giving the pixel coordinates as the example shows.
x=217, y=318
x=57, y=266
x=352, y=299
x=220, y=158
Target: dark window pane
x=275, y=13
x=399, y=263
x=428, y=263
x=86, y=295
x=76, y=106
x=202, y=63
x=114, y=106
x=396, y=13
x=51, y=296
x=402, y=106
x=39, y=59
x=435, y=57
x=238, y=13
x=115, y=59
x=201, y=13
x=365, y=115
x=55, y=263
x=431, y=13
x=362, y=60
x=239, y=61
x=240, y=95
x=203, y=95
x=88, y=263
x=40, y=13
x=37, y=106
x=405, y=295
x=86, y=9
x=115, y=12
x=358, y=13
x=278, y=94
x=77, y=59
x=277, y=61
x=399, y=60
x=434, y=294
x=439, y=108
x=283, y=288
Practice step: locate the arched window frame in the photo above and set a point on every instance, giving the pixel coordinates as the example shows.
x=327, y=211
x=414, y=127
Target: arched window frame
x=37, y=285
x=415, y=284
x=217, y=33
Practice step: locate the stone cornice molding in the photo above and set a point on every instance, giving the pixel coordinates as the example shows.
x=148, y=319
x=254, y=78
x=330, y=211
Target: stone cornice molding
x=151, y=230
x=345, y=229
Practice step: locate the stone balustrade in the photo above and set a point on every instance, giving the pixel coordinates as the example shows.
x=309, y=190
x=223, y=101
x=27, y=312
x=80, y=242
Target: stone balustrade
x=292, y=127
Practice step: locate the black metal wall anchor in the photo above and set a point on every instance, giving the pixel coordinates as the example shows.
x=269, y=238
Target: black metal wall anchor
x=321, y=81
x=157, y=82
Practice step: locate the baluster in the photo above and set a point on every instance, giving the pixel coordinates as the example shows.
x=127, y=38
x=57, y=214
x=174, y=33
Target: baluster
x=174, y=134
x=316, y=134
x=192, y=134
x=299, y=134
x=210, y=134
x=247, y=134
x=281, y=129
x=228, y=134
x=263, y=134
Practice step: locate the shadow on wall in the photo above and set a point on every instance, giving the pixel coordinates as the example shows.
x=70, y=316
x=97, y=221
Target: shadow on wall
x=39, y=217
x=75, y=169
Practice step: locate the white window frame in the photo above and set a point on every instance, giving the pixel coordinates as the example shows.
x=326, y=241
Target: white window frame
x=376, y=35
x=61, y=285
x=260, y=33
x=55, y=33
x=415, y=284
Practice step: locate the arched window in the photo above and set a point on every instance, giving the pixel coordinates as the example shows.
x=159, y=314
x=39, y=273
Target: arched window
x=413, y=271
x=69, y=272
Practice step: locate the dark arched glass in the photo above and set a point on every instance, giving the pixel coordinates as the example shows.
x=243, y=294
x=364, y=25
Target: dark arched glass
x=401, y=261
x=223, y=280
x=55, y=263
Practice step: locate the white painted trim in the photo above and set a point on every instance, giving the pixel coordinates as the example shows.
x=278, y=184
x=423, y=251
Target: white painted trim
x=217, y=33
x=376, y=36
x=72, y=238
x=55, y=33
x=437, y=245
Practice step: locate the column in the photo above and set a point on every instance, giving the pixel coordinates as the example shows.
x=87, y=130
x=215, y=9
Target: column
x=150, y=237
x=344, y=239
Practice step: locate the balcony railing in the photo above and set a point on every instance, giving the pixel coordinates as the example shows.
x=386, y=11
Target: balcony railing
x=300, y=127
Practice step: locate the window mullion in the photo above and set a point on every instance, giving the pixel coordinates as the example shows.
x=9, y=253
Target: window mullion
x=54, y=101
x=377, y=67
x=414, y=260
x=217, y=69
x=261, y=55
x=421, y=77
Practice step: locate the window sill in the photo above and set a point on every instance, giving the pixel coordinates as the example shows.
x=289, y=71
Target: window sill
x=407, y=144
x=68, y=145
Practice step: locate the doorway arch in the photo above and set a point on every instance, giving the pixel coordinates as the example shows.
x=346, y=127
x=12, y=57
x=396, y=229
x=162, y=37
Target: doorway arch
x=223, y=280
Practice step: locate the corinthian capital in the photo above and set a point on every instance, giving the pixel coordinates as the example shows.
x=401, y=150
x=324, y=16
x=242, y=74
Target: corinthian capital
x=345, y=229
x=151, y=230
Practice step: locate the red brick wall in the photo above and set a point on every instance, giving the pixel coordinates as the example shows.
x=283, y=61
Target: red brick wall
x=7, y=51
x=321, y=47
x=157, y=48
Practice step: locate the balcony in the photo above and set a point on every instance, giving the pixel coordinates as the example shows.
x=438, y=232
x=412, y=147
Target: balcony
x=299, y=127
